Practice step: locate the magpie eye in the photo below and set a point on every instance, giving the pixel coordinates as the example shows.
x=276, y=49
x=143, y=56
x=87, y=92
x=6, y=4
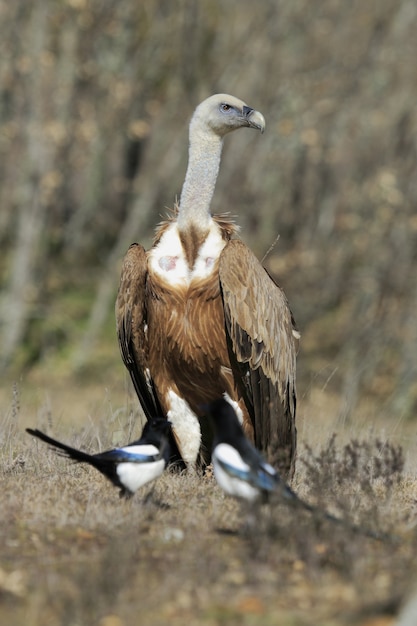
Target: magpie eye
x=225, y=107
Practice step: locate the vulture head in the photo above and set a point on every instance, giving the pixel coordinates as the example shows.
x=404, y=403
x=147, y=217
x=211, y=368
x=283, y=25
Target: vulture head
x=222, y=113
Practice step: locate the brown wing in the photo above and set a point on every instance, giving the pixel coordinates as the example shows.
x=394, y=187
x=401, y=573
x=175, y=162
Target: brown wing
x=131, y=327
x=263, y=344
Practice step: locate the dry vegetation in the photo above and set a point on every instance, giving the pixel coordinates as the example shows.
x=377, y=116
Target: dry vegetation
x=74, y=554
x=95, y=98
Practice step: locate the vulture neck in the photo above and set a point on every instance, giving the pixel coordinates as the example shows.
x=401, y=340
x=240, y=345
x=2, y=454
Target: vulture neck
x=200, y=180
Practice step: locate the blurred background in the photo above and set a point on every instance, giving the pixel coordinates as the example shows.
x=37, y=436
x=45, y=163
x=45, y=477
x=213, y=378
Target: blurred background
x=95, y=100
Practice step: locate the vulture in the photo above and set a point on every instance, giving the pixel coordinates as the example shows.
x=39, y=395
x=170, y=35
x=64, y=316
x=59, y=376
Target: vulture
x=199, y=318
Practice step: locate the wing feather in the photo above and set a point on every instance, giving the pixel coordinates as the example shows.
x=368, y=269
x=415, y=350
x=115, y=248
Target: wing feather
x=262, y=345
x=131, y=327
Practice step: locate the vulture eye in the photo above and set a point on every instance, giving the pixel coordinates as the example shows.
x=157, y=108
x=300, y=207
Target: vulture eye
x=225, y=107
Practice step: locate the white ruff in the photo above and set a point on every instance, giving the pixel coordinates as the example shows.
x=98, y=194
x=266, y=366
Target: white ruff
x=170, y=247
x=135, y=475
x=232, y=485
x=168, y=260
x=186, y=427
x=208, y=253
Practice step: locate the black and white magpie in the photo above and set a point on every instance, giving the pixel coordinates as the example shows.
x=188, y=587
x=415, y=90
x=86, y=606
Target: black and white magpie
x=242, y=472
x=131, y=466
x=239, y=468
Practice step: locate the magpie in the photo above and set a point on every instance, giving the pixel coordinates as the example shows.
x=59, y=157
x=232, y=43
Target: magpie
x=242, y=472
x=239, y=468
x=131, y=466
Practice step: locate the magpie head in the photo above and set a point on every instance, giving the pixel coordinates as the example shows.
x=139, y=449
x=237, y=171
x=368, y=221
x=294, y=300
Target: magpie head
x=156, y=430
x=224, y=419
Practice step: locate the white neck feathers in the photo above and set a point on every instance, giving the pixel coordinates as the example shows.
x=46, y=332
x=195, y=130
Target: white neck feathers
x=203, y=167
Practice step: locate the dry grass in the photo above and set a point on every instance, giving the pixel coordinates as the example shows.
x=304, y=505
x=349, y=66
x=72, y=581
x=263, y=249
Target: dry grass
x=74, y=554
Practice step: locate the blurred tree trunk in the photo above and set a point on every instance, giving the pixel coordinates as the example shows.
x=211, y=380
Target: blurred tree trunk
x=23, y=283
x=404, y=401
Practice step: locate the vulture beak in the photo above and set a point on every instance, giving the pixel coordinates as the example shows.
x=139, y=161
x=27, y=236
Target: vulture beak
x=254, y=119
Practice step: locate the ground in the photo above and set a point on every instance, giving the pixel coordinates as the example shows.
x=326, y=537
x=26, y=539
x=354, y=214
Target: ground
x=73, y=553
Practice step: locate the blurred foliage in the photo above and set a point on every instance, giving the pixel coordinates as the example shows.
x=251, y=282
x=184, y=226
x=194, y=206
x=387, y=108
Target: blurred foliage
x=95, y=99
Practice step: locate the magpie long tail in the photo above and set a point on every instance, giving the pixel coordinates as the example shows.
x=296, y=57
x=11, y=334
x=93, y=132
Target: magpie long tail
x=77, y=455
x=292, y=498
